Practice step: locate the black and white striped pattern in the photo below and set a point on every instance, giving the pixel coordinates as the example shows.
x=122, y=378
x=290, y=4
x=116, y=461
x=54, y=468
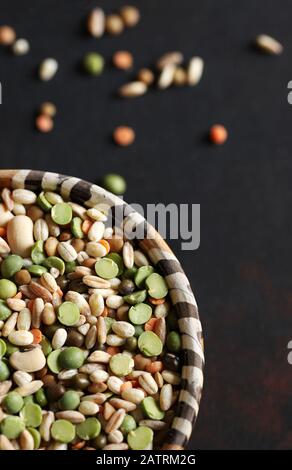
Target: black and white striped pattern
x=160, y=254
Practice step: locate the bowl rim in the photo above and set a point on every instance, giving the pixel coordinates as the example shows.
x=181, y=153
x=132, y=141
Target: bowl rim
x=182, y=297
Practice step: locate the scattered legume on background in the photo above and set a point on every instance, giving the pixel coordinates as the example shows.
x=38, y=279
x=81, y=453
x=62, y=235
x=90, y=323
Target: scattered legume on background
x=7, y=35
x=123, y=60
x=48, y=69
x=124, y=136
x=218, y=134
x=114, y=183
x=44, y=123
x=93, y=63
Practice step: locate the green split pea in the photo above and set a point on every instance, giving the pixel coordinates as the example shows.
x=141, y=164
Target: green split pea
x=140, y=438
x=31, y=414
x=89, y=429
x=106, y=268
x=151, y=409
x=12, y=426
x=61, y=213
x=11, y=265
x=121, y=364
x=150, y=344
x=7, y=289
x=140, y=314
x=63, y=431
x=68, y=313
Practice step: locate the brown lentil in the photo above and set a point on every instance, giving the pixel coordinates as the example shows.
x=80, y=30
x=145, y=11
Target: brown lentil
x=81, y=381
x=180, y=77
x=65, y=236
x=160, y=329
x=7, y=35
x=40, y=374
x=48, y=108
x=48, y=314
x=75, y=339
x=35, y=213
x=116, y=243
x=130, y=15
x=114, y=24
x=97, y=387
x=22, y=277
x=78, y=244
x=146, y=76
x=89, y=262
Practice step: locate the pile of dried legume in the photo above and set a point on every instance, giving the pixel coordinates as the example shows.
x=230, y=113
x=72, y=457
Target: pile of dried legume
x=89, y=353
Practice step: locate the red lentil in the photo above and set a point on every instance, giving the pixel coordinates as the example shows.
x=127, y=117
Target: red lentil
x=44, y=123
x=123, y=60
x=7, y=35
x=124, y=136
x=218, y=134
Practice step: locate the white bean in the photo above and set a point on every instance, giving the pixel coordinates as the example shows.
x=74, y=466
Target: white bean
x=96, y=303
x=133, y=395
x=114, y=301
x=96, y=250
x=96, y=231
x=29, y=388
x=28, y=361
x=99, y=376
x=123, y=329
x=115, y=340
x=59, y=338
x=114, y=384
x=115, y=437
x=24, y=196
x=48, y=69
x=21, y=338
x=165, y=398
x=88, y=408
x=128, y=255
x=140, y=259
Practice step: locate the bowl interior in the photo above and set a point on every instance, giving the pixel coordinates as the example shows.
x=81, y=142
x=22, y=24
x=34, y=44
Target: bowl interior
x=160, y=254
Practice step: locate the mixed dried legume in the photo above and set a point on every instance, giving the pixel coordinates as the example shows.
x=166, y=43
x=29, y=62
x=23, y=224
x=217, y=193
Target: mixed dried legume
x=93, y=63
x=89, y=348
x=124, y=136
x=218, y=134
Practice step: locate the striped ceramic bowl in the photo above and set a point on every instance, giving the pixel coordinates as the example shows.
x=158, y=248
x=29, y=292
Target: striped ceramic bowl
x=158, y=251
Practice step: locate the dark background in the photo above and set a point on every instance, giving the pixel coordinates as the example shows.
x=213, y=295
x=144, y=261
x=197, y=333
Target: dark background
x=241, y=274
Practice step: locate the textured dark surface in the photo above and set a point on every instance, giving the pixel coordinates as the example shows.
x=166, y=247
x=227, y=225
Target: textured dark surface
x=241, y=273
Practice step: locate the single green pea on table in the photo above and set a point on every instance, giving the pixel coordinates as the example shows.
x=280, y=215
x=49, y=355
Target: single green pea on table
x=93, y=63
x=74, y=359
